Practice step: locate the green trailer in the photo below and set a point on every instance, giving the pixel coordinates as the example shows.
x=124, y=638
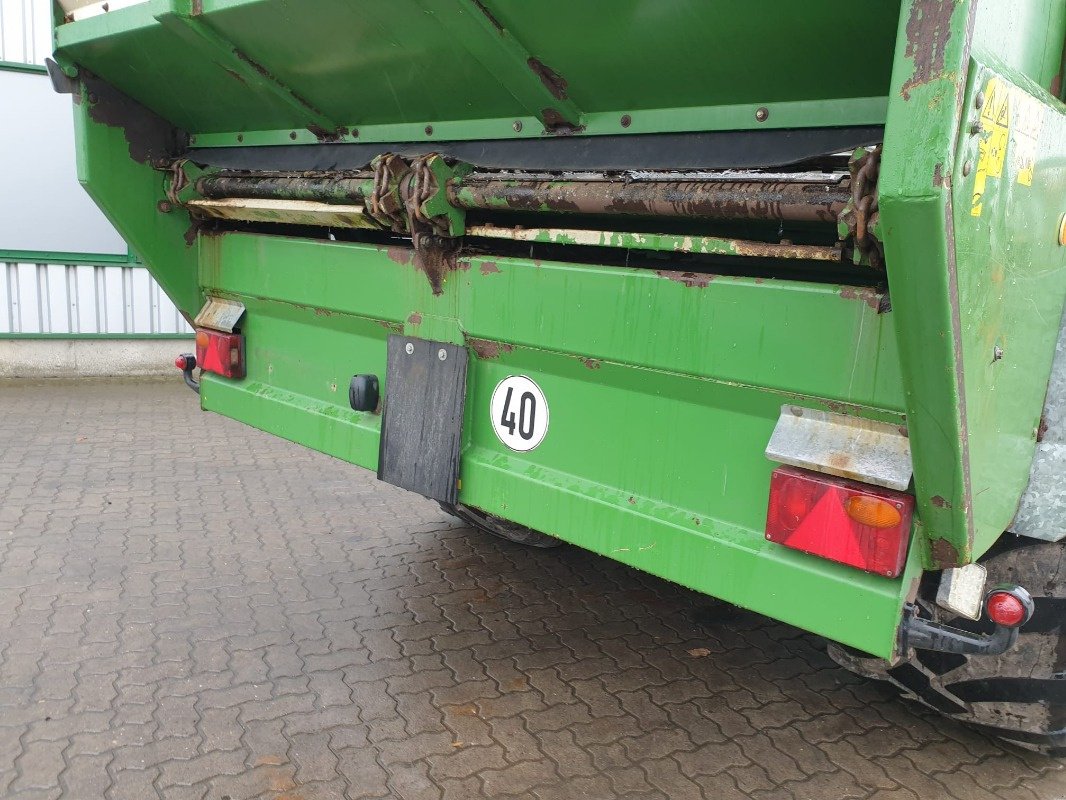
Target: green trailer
x=762, y=297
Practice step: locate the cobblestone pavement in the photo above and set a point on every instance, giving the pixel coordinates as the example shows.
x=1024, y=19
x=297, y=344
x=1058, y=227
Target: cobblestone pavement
x=193, y=609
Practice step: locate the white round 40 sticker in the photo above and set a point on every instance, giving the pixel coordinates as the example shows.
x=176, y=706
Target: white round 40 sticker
x=519, y=413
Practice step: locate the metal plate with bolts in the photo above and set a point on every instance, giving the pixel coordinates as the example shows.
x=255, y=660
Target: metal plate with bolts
x=422, y=424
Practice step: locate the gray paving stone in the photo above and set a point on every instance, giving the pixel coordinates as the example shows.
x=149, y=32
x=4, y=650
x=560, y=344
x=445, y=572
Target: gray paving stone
x=191, y=609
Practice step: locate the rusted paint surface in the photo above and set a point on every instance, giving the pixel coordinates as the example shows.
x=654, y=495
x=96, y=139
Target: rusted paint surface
x=324, y=135
x=804, y=202
x=928, y=32
x=871, y=297
x=939, y=501
x=151, y=138
x=488, y=349
x=489, y=268
x=552, y=80
x=399, y=255
x=264, y=72
x=592, y=363
x=693, y=280
x=415, y=318
x=488, y=15
x=944, y=554
x=558, y=125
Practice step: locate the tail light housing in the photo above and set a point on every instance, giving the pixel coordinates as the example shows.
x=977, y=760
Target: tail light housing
x=220, y=353
x=845, y=521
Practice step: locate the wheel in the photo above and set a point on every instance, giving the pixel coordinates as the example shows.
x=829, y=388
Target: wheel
x=1019, y=696
x=498, y=526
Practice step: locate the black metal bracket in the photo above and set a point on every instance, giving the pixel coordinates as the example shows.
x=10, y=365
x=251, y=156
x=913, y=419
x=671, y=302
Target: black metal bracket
x=924, y=634
x=188, y=361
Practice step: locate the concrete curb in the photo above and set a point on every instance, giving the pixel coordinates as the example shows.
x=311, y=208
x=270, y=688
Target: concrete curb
x=81, y=358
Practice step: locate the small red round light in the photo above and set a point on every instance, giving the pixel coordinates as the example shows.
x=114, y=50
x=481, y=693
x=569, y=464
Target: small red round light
x=179, y=362
x=1005, y=609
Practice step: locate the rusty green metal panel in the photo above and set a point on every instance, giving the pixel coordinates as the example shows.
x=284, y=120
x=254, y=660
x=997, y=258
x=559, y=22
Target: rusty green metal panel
x=963, y=286
x=386, y=70
x=661, y=399
x=668, y=382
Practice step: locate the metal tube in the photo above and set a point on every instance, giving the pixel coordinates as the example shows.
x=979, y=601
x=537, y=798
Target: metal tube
x=320, y=188
x=768, y=200
x=705, y=199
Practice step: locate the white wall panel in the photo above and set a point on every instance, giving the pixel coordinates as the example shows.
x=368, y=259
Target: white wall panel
x=25, y=31
x=57, y=298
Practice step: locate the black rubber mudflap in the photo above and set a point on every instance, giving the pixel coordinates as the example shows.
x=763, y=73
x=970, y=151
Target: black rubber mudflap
x=422, y=424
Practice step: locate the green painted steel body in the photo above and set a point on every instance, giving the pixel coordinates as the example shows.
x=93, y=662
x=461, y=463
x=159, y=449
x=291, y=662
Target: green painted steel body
x=664, y=387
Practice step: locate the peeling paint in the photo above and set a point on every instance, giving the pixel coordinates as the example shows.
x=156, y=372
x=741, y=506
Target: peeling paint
x=939, y=501
x=694, y=280
x=415, y=318
x=400, y=255
x=488, y=349
x=489, y=268
x=871, y=297
x=552, y=80
x=944, y=554
x=592, y=363
x=928, y=31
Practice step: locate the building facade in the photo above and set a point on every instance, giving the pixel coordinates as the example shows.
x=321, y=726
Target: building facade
x=73, y=299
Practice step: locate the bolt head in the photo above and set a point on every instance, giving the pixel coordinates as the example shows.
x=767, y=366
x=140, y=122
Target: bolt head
x=979, y=100
x=517, y=126
x=442, y=354
x=762, y=114
x=967, y=167
x=409, y=348
x=626, y=120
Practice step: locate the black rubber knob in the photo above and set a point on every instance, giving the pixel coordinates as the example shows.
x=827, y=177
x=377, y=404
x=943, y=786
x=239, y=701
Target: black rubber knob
x=363, y=392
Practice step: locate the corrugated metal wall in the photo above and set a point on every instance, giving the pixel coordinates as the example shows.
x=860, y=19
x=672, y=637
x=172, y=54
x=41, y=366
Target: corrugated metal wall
x=25, y=31
x=68, y=299
x=74, y=298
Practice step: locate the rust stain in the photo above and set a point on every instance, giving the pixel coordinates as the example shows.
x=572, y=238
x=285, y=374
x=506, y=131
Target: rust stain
x=871, y=297
x=556, y=124
x=840, y=461
x=271, y=761
x=489, y=15
x=323, y=135
x=236, y=75
x=694, y=280
x=488, y=349
x=517, y=684
x=270, y=77
x=944, y=554
x=415, y=318
x=928, y=32
x=489, y=267
x=939, y=501
x=552, y=80
x=938, y=176
x=323, y=312
x=400, y=255
x=591, y=363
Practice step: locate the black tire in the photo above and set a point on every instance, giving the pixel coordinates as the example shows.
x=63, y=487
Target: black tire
x=1019, y=696
x=498, y=526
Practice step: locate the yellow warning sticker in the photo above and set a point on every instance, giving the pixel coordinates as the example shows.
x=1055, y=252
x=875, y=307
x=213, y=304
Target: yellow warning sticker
x=995, y=133
x=1027, y=120
x=1010, y=120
